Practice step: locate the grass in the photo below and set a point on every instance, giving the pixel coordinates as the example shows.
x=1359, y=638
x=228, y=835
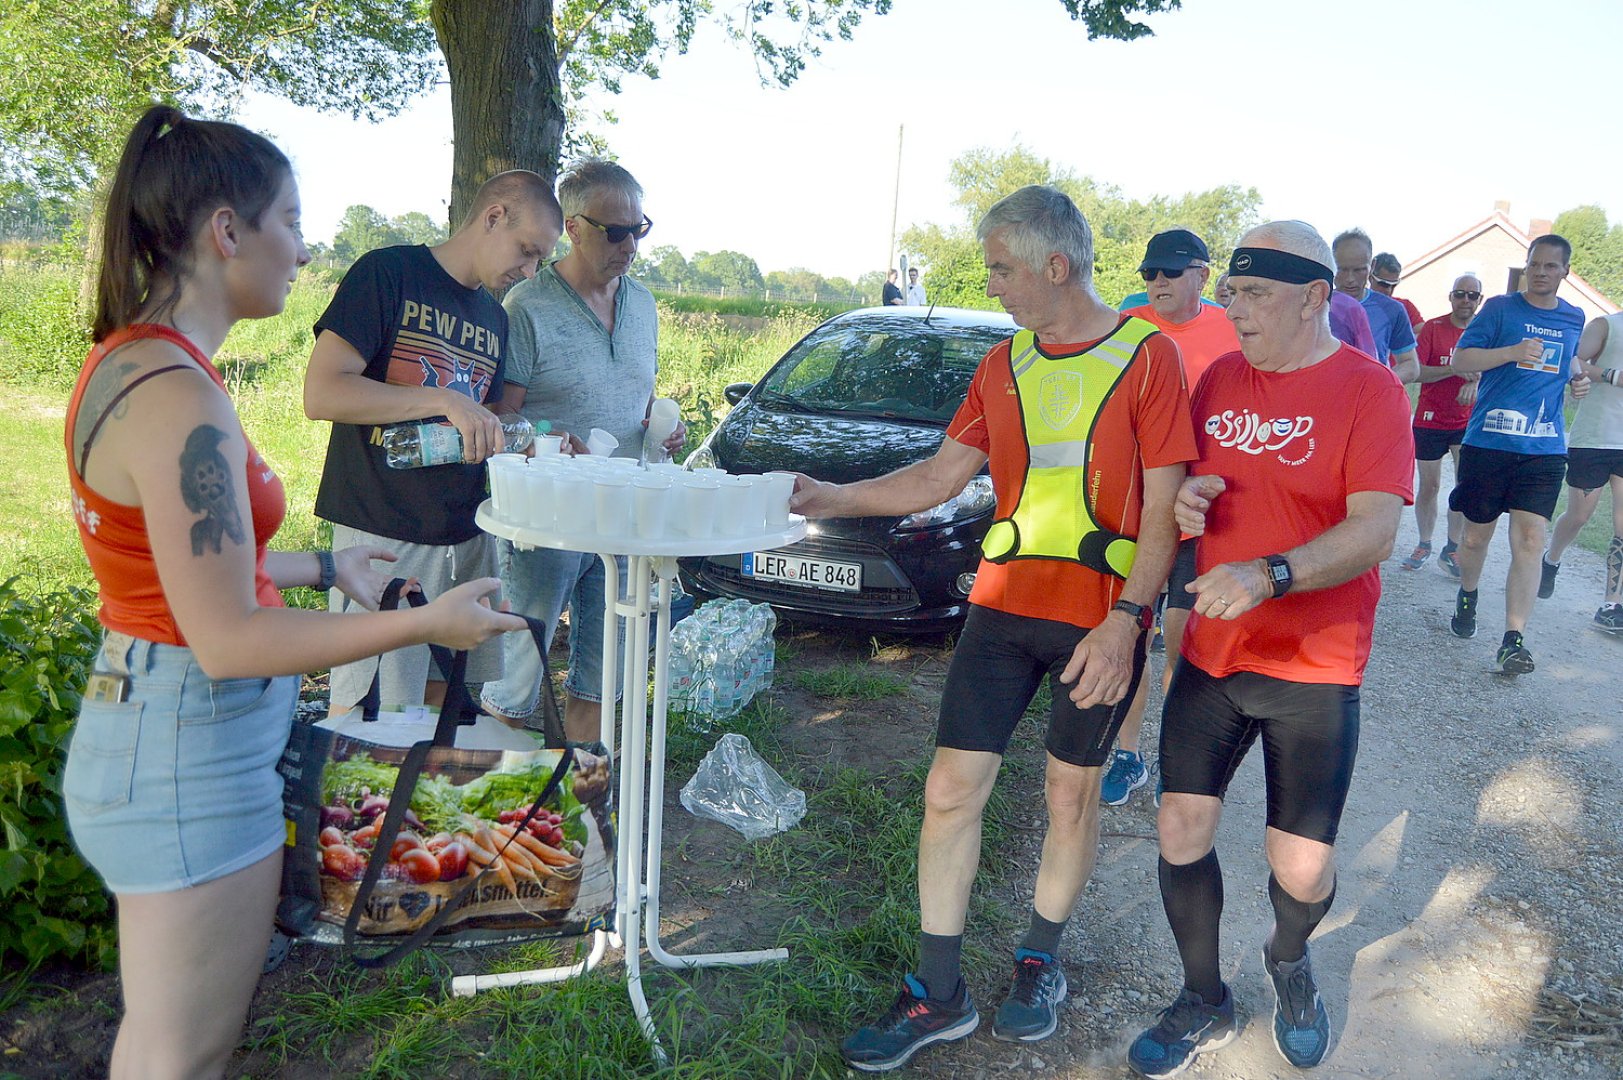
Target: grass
x=851, y=681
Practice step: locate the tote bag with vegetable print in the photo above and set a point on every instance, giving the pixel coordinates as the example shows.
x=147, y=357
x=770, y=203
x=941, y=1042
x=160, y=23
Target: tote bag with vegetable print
x=500, y=835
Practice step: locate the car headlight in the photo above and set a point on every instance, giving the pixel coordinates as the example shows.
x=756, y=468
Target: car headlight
x=976, y=498
x=701, y=458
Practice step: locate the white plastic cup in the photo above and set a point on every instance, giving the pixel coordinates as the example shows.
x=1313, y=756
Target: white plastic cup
x=601, y=443
x=503, y=498
x=539, y=503
x=572, y=502
x=779, y=487
x=621, y=464
x=755, y=488
x=613, y=502
x=733, y=507
x=698, y=498
x=668, y=469
x=650, y=505
x=663, y=416
x=548, y=445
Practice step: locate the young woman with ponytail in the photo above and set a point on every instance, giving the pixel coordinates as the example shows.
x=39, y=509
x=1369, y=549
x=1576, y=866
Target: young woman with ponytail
x=171, y=784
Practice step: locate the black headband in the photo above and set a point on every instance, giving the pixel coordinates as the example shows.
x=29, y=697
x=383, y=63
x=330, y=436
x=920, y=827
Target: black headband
x=1278, y=266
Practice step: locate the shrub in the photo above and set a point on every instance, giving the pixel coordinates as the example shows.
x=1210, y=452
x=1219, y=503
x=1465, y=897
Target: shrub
x=52, y=906
x=43, y=334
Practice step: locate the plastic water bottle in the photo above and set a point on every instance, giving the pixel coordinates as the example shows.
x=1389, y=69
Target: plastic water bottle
x=419, y=444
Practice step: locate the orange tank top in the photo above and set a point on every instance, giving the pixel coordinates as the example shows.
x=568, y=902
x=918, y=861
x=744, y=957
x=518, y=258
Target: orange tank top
x=114, y=535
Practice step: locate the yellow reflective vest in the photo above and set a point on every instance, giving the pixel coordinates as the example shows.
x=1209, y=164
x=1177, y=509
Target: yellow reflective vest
x=1060, y=401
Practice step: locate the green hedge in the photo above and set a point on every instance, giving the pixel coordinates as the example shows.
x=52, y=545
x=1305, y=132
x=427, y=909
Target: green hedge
x=52, y=906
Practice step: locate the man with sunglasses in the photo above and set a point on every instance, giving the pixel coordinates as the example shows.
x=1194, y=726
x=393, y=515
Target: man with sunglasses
x=1175, y=267
x=1394, y=336
x=1514, y=454
x=581, y=354
x=1384, y=274
x=1440, y=416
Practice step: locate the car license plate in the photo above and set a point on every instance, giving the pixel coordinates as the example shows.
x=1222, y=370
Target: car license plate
x=814, y=573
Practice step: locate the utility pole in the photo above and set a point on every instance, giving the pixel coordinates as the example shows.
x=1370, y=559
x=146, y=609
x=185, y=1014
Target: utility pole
x=896, y=201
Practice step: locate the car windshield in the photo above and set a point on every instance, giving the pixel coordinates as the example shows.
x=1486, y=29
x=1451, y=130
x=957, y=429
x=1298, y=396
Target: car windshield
x=904, y=369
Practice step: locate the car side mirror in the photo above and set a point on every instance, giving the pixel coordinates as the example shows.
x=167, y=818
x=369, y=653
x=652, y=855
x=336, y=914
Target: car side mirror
x=734, y=393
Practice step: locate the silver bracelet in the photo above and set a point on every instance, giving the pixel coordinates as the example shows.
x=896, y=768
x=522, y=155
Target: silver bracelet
x=329, y=570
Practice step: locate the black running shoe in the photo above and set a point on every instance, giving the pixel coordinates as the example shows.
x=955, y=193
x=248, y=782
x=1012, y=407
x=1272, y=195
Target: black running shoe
x=1449, y=560
x=913, y=1022
x=1188, y=1027
x=1610, y=618
x=1464, y=621
x=1514, y=659
x=1031, y=1011
x=1546, y=577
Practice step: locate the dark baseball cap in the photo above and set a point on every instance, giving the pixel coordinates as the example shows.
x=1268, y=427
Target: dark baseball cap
x=1174, y=250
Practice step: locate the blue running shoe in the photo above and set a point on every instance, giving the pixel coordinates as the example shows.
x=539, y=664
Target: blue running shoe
x=912, y=1023
x=1126, y=775
x=1188, y=1027
x=1301, y=1026
x=1031, y=1011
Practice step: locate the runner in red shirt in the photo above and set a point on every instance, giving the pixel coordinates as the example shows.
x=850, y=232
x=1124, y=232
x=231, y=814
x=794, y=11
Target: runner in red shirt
x=1296, y=500
x=1440, y=417
x=1084, y=422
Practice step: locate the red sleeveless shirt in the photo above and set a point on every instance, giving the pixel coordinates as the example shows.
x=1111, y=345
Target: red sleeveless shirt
x=114, y=535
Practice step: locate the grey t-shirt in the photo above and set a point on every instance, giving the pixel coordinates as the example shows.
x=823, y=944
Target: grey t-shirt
x=574, y=372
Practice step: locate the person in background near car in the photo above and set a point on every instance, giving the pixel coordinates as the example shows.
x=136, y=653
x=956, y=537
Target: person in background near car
x=1063, y=593
x=583, y=354
x=915, y=291
x=414, y=333
x=1221, y=291
x=1440, y=416
x=1175, y=268
x=1296, y=500
x=892, y=294
x=1350, y=325
x=1388, y=321
x=1384, y=273
x=1594, y=459
x=1515, y=447
x=171, y=786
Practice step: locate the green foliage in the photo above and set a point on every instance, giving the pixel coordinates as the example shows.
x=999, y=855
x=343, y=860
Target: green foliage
x=43, y=336
x=1597, y=248
x=364, y=229
x=1121, y=226
x=728, y=270
x=51, y=904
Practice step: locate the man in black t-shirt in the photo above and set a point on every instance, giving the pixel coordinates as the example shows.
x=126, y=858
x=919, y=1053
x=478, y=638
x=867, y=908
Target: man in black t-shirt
x=892, y=296
x=415, y=333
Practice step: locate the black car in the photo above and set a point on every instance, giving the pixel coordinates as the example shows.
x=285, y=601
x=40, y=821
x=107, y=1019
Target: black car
x=860, y=396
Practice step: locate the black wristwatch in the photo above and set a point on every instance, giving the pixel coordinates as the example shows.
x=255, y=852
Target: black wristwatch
x=1279, y=575
x=1140, y=613
x=329, y=570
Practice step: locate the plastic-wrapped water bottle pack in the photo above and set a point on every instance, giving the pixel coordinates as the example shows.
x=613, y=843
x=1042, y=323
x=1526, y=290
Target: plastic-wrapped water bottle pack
x=721, y=657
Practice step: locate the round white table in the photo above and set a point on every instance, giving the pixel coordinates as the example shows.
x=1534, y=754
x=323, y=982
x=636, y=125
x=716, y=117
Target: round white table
x=641, y=735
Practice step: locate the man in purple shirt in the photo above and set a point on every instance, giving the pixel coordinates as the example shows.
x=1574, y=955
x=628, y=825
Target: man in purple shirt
x=1388, y=322
x=1349, y=323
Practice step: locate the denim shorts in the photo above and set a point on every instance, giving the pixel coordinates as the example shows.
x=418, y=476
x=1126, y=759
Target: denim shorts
x=176, y=785
x=540, y=583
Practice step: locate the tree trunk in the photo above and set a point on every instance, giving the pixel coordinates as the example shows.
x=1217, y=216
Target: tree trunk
x=506, y=107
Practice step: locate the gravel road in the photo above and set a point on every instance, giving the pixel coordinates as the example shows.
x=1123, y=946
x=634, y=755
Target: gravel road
x=1478, y=926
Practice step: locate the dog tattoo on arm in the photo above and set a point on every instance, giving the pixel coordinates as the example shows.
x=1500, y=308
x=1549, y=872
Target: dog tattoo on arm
x=206, y=487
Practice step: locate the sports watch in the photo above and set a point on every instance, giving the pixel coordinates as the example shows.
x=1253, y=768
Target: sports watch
x=1139, y=613
x=1279, y=575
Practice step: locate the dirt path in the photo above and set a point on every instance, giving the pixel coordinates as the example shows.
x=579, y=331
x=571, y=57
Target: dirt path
x=1480, y=891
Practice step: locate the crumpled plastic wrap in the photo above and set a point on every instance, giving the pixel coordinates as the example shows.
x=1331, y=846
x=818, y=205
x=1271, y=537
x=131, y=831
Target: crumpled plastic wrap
x=735, y=786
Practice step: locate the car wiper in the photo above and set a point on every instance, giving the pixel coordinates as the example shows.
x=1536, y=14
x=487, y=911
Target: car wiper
x=782, y=402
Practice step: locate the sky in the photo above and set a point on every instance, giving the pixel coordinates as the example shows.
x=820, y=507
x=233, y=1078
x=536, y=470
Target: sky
x=1408, y=119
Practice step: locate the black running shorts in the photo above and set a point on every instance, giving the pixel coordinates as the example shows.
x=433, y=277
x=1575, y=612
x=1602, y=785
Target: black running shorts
x=1493, y=481
x=1430, y=444
x=1183, y=572
x=1309, y=742
x=996, y=668
x=1588, y=468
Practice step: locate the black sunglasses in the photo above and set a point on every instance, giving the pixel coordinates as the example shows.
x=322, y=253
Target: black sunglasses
x=1171, y=275
x=616, y=234
x=1465, y=294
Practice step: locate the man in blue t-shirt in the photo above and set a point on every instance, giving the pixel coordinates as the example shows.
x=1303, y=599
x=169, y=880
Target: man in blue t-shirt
x=1388, y=321
x=1514, y=453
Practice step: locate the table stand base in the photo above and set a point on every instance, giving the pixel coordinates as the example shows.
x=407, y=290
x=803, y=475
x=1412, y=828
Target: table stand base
x=642, y=768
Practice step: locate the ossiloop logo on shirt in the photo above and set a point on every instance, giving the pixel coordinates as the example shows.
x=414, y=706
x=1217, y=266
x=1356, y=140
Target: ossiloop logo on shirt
x=1251, y=433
